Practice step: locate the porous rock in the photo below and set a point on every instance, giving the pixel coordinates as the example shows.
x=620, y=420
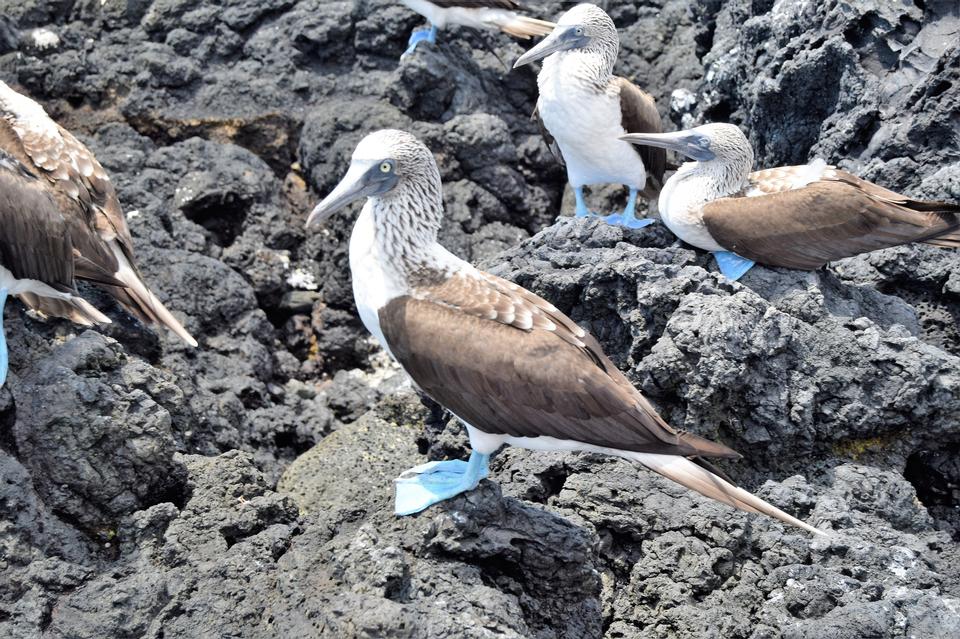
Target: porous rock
x=138, y=474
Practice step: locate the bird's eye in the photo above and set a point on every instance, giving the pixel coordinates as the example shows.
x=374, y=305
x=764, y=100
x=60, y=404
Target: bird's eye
x=578, y=31
x=386, y=167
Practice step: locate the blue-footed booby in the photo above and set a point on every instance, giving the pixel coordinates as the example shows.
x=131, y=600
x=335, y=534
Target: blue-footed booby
x=61, y=220
x=507, y=363
x=479, y=14
x=584, y=110
x=792, y=216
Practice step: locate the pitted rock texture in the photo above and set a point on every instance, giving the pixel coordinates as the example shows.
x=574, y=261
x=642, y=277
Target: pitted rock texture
x=141, y=480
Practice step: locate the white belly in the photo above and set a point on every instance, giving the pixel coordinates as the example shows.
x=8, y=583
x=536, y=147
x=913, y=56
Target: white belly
x=487, y=444
x=373, y=286
x=587, y=127
x=681, y=210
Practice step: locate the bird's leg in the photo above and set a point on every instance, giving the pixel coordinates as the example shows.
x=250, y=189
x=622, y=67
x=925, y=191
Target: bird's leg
x=431, y=483
x=4, y=358
x=422, y=34
x=732, y=265
x=582, y=210
x=628, y=217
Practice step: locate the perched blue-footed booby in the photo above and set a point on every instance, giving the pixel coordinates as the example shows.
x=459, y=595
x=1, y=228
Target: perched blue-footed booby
x=61, y=220
x=793, y=216
x=510, y=365
x=37, y=257
x=479, y=14
x=584, y=110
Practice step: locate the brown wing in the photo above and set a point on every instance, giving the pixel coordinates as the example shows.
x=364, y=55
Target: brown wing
x=92, y=212
x=639, y=112
x=34, y=243
x=81, y=219
x=827, y=220
x=548, y=138
x=507, y=362
x=76, y=172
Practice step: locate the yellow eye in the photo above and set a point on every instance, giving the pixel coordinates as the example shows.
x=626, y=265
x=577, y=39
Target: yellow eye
x=386, y=167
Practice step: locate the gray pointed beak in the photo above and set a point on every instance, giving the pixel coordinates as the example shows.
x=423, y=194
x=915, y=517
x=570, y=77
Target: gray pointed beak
x=562, y=39
x=689, y=143
x=363, y=179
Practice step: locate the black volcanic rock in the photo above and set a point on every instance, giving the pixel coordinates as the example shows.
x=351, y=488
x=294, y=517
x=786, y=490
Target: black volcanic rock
x=141, y=479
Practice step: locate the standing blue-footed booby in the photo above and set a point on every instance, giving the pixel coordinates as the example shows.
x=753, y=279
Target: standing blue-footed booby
x=479, y=14
x=510, y=365
x=60, y=220
x=793, y=216
x=584, y=110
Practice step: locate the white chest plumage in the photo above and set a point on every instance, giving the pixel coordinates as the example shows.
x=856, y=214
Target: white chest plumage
x=587, y=126
x=373, y=284
x=681, y=207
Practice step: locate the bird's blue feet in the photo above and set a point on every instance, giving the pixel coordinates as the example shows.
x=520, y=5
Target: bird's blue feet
x=423, y=34
x=628, y=218
x=581, y=210
x=4, y=359
x=431, y=483
x=732, y=265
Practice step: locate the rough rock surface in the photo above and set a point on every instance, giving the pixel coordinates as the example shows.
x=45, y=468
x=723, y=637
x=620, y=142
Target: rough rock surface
x=141, y=480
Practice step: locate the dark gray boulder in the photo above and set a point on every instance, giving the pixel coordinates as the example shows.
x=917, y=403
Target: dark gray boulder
x=138, y=475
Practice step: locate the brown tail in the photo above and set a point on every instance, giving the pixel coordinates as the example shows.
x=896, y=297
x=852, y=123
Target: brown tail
x=525, y=28
x=699, y=479
x=72, y=307
x=138, y=299
x=949, y=240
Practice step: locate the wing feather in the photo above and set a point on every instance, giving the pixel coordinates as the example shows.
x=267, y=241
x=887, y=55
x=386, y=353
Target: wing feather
x=35, y=243
x=640, y=115
x=829, y=219
x=462, y=344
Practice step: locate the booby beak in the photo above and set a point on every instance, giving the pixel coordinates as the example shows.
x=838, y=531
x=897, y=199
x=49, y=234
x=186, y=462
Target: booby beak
x=692, y=144
x=364, y=178
x=563, y=38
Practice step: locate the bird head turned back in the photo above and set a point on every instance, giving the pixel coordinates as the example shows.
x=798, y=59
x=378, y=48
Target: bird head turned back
x=586, y=29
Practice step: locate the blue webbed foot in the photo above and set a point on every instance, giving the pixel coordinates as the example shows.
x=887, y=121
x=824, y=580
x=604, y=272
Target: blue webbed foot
x=423, y=34
x=732, y=265
x=428, y=484
x=628, y=220
x=4, y=358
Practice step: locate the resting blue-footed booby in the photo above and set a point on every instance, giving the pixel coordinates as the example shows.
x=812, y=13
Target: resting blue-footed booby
x=37, y=257
x=793, y=216
x=584, y=110
x=480, y=14
x=506, y=362
x=61, y=220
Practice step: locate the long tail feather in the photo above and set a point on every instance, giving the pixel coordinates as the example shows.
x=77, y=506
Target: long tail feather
x=686, y=473
x=140, y=301
x=950, y=240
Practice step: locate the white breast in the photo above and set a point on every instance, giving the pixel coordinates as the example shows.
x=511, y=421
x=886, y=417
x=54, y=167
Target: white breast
x=373, y=285
x=681, y=207
x=587, y=127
